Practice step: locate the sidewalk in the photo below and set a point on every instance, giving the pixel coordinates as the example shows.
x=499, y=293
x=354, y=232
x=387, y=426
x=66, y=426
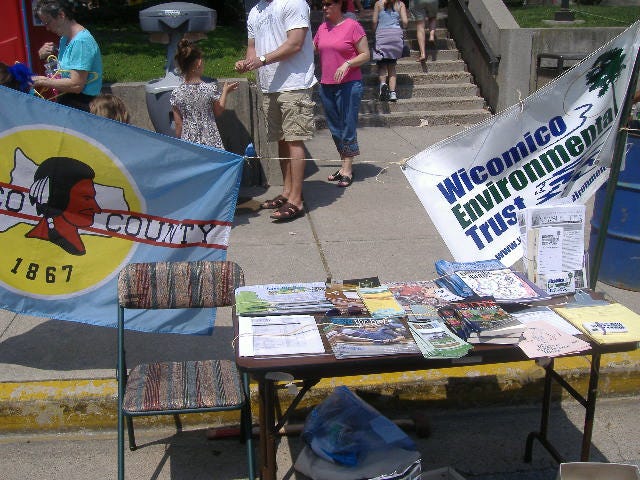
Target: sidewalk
x=58, y=375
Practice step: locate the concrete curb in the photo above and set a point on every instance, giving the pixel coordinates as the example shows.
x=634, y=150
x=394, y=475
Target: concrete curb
x=86, y=404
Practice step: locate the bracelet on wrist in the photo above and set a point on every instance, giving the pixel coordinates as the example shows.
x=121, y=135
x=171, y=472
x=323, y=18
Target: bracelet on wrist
x=347, y=62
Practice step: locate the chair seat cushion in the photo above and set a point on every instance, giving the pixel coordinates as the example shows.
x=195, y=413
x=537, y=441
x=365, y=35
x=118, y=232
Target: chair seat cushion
x=183, y=385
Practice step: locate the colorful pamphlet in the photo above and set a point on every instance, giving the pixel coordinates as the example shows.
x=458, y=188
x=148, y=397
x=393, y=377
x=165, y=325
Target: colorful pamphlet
x=380, y=302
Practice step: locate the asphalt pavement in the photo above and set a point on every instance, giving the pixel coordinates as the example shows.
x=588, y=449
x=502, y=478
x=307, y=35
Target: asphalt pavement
x=376, y=226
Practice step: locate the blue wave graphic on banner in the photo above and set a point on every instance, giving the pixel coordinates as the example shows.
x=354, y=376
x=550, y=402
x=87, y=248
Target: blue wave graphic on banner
x=81, y=196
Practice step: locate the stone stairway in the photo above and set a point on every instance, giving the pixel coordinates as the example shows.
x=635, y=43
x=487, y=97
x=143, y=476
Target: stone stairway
x=439, y=91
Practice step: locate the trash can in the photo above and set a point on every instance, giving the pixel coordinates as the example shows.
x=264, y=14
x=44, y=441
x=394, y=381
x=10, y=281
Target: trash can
x=173, y=20
x=620, y=264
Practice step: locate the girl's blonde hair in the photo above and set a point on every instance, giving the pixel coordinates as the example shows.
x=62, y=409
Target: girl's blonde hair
x=110, y=106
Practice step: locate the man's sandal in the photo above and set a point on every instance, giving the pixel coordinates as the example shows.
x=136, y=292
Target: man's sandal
x=274, y=203
x=288, y=211
x=336, y=177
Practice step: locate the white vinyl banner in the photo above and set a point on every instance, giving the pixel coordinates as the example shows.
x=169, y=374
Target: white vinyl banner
x=552, y=148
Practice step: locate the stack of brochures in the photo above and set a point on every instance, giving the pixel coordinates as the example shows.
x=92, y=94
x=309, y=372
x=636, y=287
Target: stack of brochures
x=450, y=280
x=352, y=337
x=435, y=341
x=282, y=299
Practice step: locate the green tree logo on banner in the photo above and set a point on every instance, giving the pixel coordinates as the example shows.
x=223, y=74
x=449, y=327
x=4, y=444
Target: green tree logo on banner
x=604, y=73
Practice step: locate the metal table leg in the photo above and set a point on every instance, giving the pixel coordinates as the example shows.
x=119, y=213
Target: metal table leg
x=266, y=389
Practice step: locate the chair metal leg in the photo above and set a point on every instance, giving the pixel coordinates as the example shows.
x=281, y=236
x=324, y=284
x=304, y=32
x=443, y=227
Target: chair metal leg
x=120, y=444
x=132, y=437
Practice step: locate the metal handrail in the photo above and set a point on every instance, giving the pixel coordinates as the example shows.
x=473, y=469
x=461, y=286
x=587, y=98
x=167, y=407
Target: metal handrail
x=491, y=58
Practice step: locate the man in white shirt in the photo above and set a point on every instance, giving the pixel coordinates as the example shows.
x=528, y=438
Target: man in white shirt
x=280, y=47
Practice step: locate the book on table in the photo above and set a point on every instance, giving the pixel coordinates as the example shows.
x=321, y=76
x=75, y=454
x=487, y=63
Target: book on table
x=352, y=337
x=486, y=318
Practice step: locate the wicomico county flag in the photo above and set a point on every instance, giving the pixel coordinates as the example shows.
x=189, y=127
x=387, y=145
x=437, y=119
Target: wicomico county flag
x=81, y=196
x=553, y=148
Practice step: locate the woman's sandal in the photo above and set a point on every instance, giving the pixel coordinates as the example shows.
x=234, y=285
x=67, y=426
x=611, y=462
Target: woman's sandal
x=288, y=211
x=345, y=181
x=274, y=203
x=336, y=177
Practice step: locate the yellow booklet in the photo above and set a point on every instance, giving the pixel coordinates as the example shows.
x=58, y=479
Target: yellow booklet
x=613, y=312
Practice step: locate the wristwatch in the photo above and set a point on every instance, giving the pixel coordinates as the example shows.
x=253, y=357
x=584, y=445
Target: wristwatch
x=263, y=59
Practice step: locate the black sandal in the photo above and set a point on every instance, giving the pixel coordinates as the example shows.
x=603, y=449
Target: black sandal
x=345, y=181
x=336, y=177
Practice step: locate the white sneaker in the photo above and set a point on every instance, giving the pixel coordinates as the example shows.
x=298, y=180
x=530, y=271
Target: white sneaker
x=393, y=97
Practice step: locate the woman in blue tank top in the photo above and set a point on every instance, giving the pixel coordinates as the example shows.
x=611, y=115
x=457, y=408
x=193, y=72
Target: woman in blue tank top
x=389, y=18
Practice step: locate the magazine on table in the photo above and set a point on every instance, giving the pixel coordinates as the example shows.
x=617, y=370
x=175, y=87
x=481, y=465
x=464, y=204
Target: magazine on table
x=367, y=337
x=282, y=299
x=449, y=279
x=380, y=302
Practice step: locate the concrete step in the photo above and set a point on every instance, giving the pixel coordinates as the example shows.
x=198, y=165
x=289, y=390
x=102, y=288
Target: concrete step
x=410, y=66
x=427, y=78
x=425, y=90
x=373, y=105
x=436, y=104
x=415, y=118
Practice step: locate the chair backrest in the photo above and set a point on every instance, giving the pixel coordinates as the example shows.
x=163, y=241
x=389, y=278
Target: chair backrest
x=200, y=284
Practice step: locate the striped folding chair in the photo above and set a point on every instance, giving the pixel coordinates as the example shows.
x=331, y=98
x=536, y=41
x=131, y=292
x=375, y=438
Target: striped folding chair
x=173, y=388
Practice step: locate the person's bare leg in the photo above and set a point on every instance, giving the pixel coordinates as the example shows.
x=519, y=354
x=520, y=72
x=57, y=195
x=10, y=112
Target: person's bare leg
x=432, y=28
x=347, y=166
x=285, y=166
x=392, y=77
x=296, y=172
x=421, y=35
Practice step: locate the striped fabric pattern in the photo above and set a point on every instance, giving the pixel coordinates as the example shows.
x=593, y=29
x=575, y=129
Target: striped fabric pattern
x=183, y=385
x=201, y=284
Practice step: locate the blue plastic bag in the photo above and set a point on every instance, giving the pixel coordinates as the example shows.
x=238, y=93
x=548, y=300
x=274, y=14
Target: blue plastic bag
x=344, y=429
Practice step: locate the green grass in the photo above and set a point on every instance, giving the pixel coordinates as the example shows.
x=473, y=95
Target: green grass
x=129, y=56
x=593, y=15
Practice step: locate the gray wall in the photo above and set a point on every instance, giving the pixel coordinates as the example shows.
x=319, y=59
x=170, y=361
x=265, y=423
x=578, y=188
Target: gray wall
x=238, y=125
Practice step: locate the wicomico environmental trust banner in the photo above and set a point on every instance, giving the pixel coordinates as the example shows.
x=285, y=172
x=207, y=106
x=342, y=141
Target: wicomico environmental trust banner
x=552, y=148
x=81, y=196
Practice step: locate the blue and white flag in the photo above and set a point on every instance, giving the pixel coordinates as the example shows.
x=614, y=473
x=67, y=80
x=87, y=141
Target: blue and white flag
x=553, y=148
x=81, y=196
